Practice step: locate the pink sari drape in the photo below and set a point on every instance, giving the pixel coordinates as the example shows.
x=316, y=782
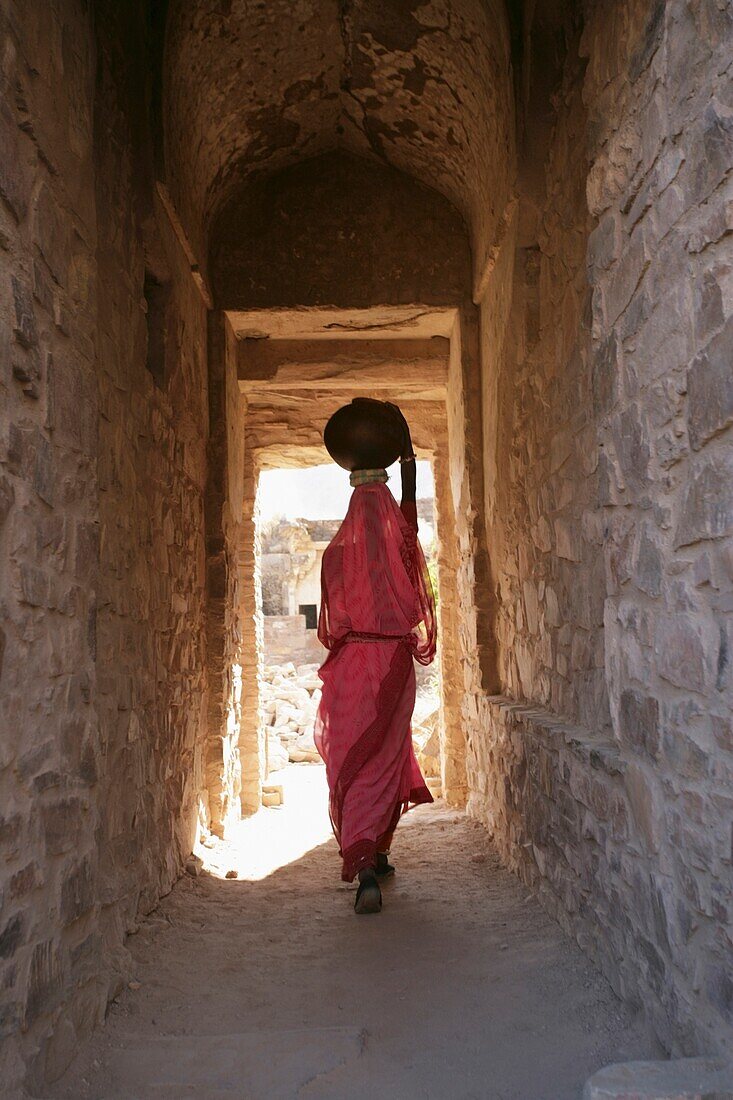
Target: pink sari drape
x=377, y=614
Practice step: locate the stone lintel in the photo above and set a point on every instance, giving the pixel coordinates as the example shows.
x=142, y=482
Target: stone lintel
x=414, y=366
x=335, y=323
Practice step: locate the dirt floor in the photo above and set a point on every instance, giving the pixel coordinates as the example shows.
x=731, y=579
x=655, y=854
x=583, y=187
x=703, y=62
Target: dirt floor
x=269, y=986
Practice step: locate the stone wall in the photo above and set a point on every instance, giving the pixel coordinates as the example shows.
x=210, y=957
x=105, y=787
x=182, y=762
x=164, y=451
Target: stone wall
x=50, y=752
x=102, y=449
x=661, y=143
x=286, y=639
x=152, y=470
x=609, y=789
x=228, y=568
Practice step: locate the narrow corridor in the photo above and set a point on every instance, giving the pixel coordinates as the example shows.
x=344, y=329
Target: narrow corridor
x=269, y=986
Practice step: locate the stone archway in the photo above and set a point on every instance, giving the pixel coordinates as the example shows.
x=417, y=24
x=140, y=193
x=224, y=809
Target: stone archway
x=292, y=375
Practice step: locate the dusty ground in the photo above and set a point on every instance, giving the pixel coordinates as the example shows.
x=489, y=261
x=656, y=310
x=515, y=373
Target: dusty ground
x=270, y=987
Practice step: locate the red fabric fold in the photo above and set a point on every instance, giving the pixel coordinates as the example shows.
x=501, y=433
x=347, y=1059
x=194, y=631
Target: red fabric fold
x=377, y=613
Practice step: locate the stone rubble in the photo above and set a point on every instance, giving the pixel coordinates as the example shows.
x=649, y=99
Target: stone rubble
x=290, y=697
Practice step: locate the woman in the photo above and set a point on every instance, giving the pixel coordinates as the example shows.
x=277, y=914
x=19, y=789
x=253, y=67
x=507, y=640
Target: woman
x=377, y=614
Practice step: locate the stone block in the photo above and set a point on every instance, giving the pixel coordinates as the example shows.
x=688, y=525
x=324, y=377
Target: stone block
x=24, y=328
x=51, y=234
x=61, y=822
x=43, y=469
x=678, y=1079
x=710, y=389
x=645, y=807
x=7, y=496
x=717, y=222
x=629, y=271
x=606, y=374
x=26, y=880
x=45, y=981
x=682, y=651
x=638, y=721
x=603, y=245
x=718, y=144
x=568, y=540
x=633, y=449
x=35, y=586
x=648, y=569
x=84, y=958
x=61, y=1048
x=12, y=936
x=77, y=892
x=16, y=176
x=706, y=509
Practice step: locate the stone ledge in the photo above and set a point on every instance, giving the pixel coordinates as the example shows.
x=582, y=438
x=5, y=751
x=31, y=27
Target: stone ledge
x=601, y=754
x=679, y=1079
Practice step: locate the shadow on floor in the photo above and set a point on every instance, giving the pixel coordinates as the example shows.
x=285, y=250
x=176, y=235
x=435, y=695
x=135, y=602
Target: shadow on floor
x=273, y=988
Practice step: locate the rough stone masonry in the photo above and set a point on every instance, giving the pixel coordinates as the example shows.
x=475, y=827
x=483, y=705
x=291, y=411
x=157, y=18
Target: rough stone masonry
x=555, y=179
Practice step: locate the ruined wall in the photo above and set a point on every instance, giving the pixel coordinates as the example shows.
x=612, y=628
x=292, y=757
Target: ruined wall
x=609, y=788
x=661, y=118
x=101, y=484
x=544, y=527
x=50, y=754
x=152, y=437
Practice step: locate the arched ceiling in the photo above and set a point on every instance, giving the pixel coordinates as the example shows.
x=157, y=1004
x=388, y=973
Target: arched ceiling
x=250, y=86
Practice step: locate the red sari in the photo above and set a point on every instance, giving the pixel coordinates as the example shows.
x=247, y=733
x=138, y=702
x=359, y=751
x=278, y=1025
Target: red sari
x=377, y=614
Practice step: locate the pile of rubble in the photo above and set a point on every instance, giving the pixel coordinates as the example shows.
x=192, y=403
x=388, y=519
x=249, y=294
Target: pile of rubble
x=426, y=729
x=290, y=698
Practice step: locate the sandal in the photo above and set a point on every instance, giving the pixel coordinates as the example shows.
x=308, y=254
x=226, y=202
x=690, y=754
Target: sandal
x=384, y=868
x=368, y=896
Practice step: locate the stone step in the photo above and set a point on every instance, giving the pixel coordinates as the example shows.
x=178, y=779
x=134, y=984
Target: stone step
x=678, y=1079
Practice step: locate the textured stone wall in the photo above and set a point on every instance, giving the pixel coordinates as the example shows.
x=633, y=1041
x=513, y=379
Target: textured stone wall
x=152, y=469
x=102, y=449
x=226, y=647
x=545, y=530
x=50, y=752
x=610, y=508
x=252, y=735
x=660, y=258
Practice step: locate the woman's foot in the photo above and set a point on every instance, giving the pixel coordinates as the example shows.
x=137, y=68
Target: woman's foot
x=384, y=867
x=368, y=896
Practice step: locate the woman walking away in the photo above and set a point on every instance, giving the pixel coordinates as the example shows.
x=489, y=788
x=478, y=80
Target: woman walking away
x=377, y=614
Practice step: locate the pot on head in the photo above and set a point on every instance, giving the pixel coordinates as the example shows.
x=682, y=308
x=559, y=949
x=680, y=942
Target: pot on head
x=364, y=435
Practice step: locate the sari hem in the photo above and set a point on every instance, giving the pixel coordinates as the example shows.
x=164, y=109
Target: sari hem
x=363, y=853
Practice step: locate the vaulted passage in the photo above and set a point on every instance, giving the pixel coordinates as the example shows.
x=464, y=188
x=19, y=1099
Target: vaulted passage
x=219, y=221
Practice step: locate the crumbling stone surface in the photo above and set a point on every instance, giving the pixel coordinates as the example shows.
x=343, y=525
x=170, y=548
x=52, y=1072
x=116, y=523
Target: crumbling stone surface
x=400, y=84
x=611, y=516
x=101, y=578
